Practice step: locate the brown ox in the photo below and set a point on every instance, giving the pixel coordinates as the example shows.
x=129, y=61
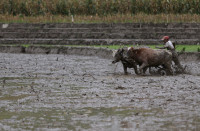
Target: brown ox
x=147, y=57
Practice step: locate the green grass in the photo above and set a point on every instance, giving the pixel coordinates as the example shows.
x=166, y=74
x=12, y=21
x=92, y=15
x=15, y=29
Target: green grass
x=188, y=48
x=179, y=48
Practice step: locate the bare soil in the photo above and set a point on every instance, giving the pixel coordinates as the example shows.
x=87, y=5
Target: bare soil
x=69, y=92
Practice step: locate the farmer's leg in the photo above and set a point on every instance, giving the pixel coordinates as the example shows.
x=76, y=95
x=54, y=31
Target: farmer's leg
x=176, y=60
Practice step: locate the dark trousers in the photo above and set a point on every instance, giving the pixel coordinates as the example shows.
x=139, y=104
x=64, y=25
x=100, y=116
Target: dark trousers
x=176, y=59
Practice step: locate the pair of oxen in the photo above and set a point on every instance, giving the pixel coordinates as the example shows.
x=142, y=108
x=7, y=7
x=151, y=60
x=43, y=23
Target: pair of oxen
x=145, y=58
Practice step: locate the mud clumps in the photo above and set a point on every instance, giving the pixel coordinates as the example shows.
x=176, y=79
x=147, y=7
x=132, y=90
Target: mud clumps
x=69, y=92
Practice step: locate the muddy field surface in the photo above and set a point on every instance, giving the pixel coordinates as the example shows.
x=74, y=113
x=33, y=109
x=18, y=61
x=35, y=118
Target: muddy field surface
x=68, y=92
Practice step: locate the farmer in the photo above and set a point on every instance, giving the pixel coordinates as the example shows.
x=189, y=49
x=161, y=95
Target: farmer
x=169, y=46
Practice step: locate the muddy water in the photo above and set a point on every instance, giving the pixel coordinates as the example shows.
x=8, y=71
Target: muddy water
x=63, y=92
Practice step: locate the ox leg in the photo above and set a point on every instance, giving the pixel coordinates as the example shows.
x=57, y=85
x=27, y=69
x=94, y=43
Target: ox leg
x=145, y=69
x=125, y=69
x=135, y=69
x=168, y=68
x=142, y=68
x=150, y=71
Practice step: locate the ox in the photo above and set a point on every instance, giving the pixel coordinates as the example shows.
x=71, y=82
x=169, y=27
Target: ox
x=147, y=57
x=121, y=55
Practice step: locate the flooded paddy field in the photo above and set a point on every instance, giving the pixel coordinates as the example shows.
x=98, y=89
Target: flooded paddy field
x=69, y=92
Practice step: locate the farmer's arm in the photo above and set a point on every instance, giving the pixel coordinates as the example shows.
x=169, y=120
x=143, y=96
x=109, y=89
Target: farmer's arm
x=161, y=47
x=164, y=47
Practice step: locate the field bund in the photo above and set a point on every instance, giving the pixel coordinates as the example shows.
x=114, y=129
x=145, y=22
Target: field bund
x=98, y=34
x=84, y=51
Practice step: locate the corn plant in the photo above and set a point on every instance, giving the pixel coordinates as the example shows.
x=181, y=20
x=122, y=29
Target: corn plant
x=98, y=7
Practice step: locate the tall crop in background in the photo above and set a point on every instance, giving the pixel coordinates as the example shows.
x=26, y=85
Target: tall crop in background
x=90, y=7
x=133, y=6
x=61, y=8
x=98, y=7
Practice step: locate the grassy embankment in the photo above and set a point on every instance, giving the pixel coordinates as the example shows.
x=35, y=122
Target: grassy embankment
x=186, y=48
x=179, y=48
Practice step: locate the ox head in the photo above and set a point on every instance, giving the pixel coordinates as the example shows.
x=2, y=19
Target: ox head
x=119, y=55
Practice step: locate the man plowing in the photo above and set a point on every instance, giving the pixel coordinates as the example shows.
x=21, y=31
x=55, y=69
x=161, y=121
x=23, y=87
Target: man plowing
x=169, y=46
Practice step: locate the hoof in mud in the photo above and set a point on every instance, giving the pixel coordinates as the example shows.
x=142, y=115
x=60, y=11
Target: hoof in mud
x=126, y=73
x=141, y=74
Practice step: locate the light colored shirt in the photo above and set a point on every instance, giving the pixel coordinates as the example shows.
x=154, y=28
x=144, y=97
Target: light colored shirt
x=169, y=45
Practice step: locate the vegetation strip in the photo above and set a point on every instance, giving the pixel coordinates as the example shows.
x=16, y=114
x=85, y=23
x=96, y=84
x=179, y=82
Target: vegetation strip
x=99, y=11
x=97, y=7
x=179, y=48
